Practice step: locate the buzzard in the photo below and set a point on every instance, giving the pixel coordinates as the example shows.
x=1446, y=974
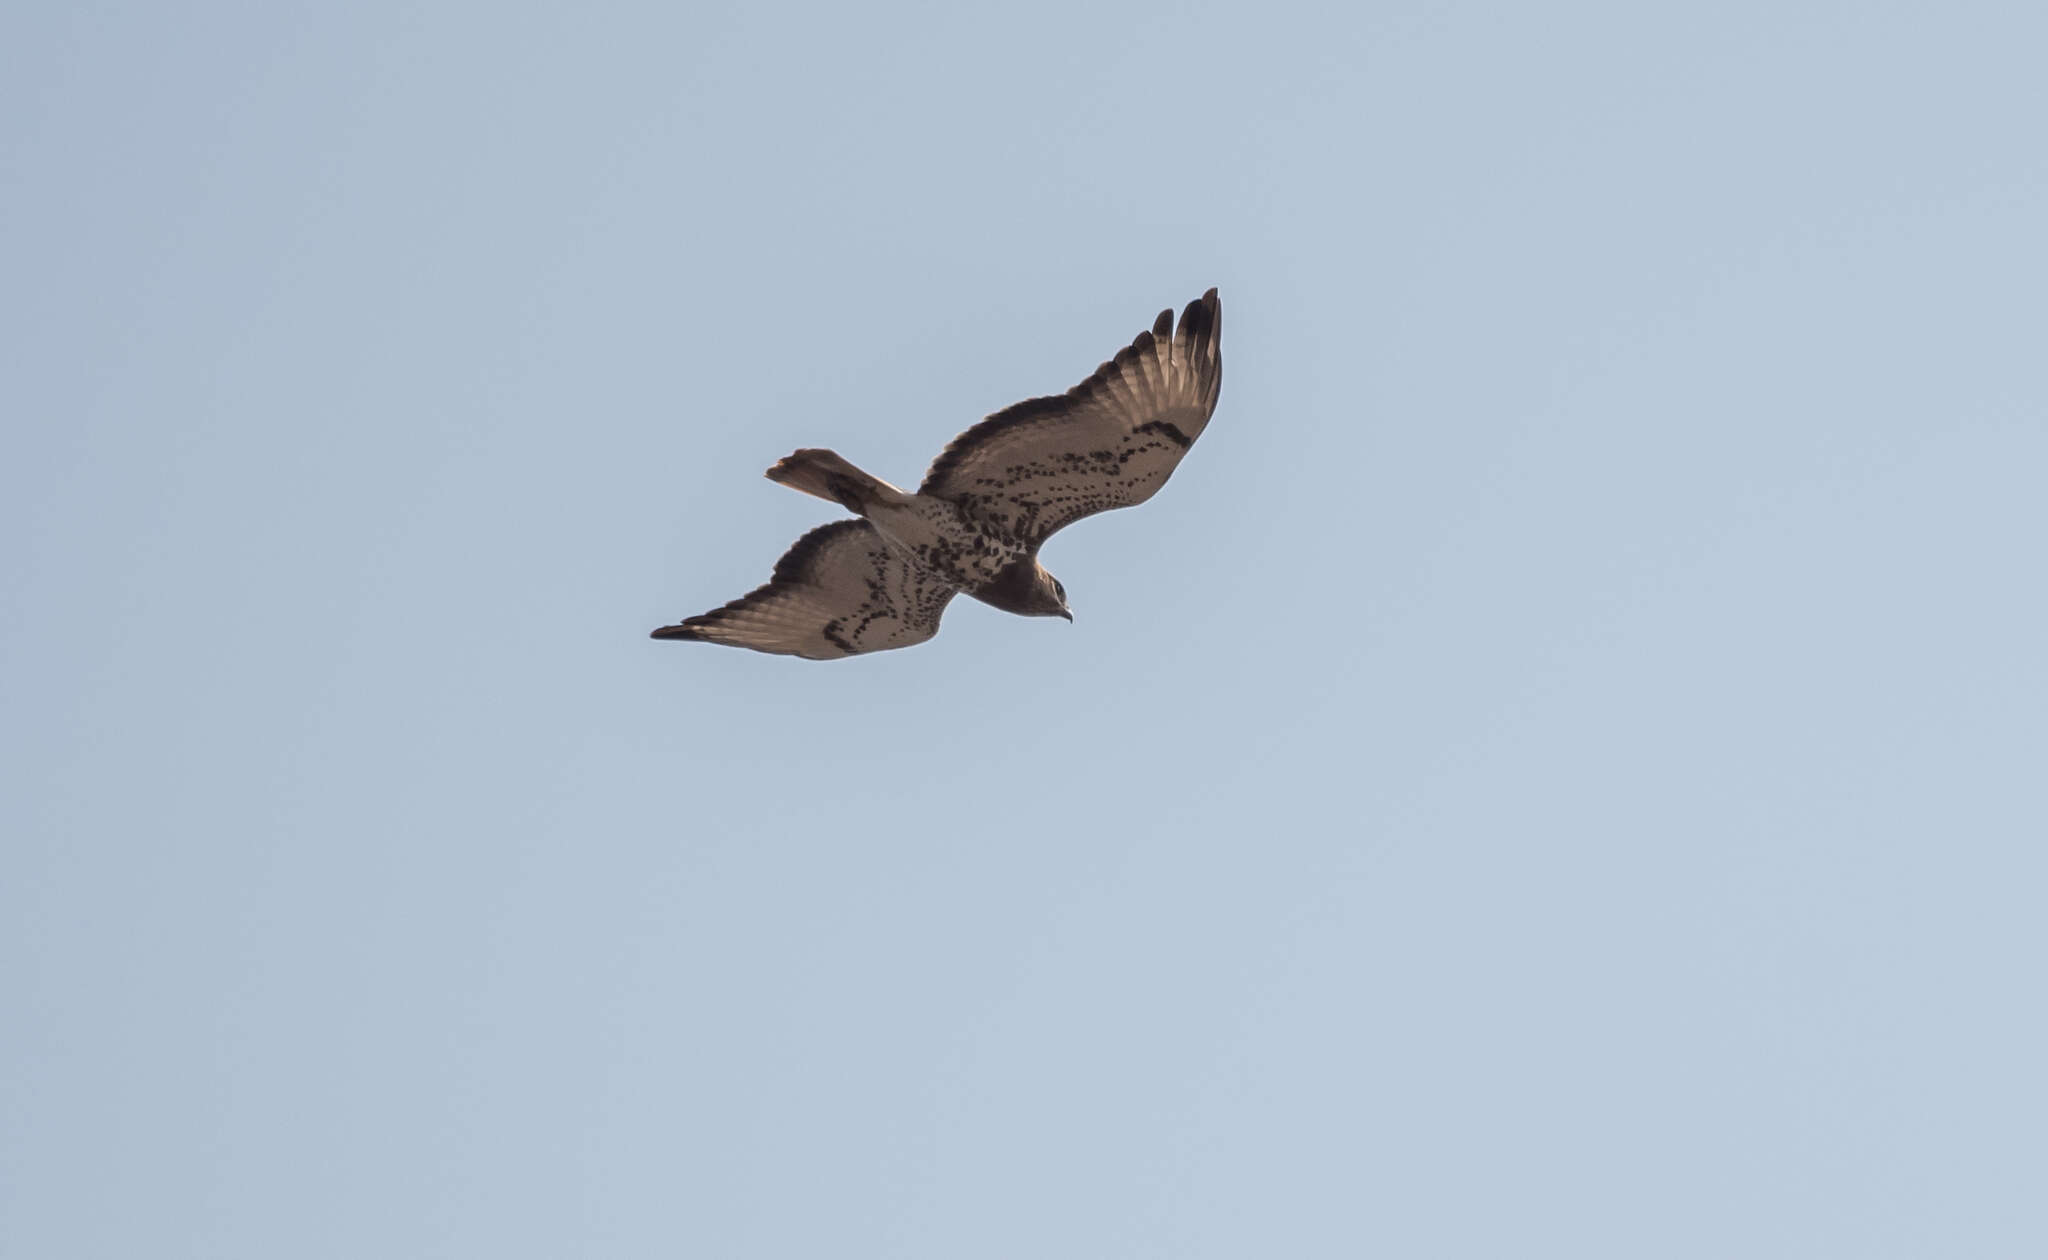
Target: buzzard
x=989, y=501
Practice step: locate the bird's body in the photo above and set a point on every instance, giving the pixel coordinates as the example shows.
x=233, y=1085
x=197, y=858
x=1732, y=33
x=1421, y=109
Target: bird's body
x=989, y=501
x=933, y=532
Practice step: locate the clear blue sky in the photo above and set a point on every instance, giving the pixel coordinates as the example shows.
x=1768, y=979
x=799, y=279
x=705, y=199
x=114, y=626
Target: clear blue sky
x=1562, y=771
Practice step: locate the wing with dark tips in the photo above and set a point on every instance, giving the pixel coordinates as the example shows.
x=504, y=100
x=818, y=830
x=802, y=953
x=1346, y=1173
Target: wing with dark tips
x=839, y=591
x=1109, y=442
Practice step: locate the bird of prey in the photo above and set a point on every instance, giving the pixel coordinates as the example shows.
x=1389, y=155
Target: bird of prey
x=989, y=501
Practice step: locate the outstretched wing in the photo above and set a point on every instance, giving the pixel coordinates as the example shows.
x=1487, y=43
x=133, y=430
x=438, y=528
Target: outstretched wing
x=1109, y=442
x=839, y=591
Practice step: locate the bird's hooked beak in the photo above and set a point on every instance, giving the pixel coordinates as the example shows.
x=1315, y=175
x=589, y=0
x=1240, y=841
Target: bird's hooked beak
x=1069, y=616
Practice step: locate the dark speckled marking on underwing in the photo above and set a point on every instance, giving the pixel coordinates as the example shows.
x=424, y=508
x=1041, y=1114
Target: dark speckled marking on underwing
x=1168, y=430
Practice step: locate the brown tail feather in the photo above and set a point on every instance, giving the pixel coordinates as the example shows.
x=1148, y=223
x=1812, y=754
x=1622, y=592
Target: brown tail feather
x=827, y=475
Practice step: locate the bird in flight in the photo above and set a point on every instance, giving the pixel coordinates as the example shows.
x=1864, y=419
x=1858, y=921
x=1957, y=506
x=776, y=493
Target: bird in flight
x=988, y=502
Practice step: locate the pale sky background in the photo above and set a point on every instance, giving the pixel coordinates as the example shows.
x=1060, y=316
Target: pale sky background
x=1562, y=771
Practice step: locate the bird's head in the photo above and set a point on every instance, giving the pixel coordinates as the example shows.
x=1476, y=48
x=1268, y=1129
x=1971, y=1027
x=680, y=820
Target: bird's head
x=1048, y=597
